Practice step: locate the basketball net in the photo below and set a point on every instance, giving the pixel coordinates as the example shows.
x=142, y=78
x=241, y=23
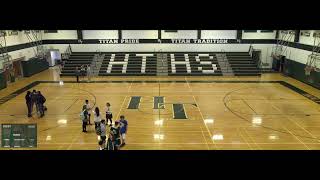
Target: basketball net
x=308, y=70
x=275, y=56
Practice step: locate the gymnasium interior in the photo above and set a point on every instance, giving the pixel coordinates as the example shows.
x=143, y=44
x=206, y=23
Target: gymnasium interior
x=178, y=89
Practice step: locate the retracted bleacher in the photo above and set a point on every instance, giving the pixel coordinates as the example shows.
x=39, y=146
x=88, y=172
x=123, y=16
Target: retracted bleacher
x=76, y=59
x=177, y=63
x=242, y=64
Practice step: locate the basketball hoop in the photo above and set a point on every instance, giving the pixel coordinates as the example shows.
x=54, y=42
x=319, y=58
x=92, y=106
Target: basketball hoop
x=275, y=56
x=308, y=70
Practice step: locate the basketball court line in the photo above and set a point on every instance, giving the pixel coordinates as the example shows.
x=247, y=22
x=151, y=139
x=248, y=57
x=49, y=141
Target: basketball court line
x=285, y=84
x=204, y=138
x=303, y=127
x=75, y=100
x=118, y=114
x=254, y=142
x=249, y=106
x=72, y=141
x=201, y=115
x=296, y=137
x=243, y=138
x=199, y=110
x=245, y=119
x=285, y=116
x=156, y=143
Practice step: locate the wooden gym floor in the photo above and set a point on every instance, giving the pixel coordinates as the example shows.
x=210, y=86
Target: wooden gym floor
x=250, y=113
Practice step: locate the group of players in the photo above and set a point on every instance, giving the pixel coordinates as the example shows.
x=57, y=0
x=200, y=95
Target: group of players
x=112, y=137
x=35, y=99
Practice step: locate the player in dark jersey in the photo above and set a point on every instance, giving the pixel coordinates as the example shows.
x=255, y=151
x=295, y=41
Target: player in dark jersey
x=28, y=102
x=101, y=145
x=116, y=135
x=40, y=103
x=84, y=118
x=33, y=97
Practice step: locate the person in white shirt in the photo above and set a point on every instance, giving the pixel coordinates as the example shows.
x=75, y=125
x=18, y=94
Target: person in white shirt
x=103, y=135
x=96, y=117
x=108, y=113
x=88, y=72
x=88, y=109
x=83, y=71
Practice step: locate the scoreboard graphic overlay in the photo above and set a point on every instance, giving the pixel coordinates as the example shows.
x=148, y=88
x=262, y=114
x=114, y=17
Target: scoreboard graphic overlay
x=18, y=135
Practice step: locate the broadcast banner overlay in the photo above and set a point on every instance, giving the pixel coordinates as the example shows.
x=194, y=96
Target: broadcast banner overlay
x=18, y=135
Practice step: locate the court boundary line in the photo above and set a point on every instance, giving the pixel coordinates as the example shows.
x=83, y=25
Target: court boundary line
x=283, y=83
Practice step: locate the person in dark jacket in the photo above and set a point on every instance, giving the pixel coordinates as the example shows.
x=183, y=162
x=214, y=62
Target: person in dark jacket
x=33, y=97
x=28, y=102
x=77, y=73
x=84, y=119
x=116, y=136
x=40, y=101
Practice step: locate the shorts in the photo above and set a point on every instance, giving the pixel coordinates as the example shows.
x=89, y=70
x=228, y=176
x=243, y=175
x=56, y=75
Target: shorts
x=123, y=135
x=103, y=138
x=108, y=116
x=117, y=142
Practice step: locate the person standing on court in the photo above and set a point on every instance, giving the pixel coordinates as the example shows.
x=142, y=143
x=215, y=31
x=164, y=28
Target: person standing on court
x=40, y=103
x=28, y=102
x=109, y=143
x=96, y=117
x=88, y=110
x=34, y=97
x=101, y=145
x=103, y=128
x=116, y=135
x=82, y=71
x=123, y=129
x=84, y=118
x=108, y=113
x=88, y=72
x=77, y=73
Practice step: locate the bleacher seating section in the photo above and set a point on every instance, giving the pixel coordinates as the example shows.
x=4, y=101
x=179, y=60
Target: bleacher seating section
x=76, y=59
x=137, y=64
x=242, y=64
x=193, y=64
x=178, y=63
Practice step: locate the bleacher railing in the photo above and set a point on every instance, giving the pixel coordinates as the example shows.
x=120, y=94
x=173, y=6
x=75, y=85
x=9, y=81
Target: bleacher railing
x=4, y=55
x=250, y=50
x=225, y=60
x=255, y=56
x=162, y=62
x=67, y=53
x=96, y=63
